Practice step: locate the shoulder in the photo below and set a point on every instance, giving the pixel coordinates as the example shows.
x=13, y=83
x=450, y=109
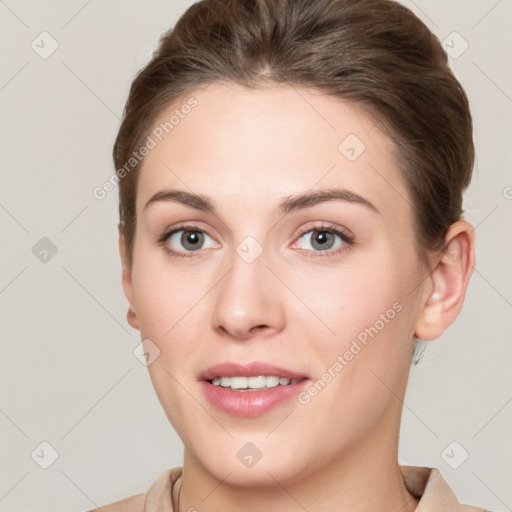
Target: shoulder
x=433, y=491
x=136, y=503
x=158, y=496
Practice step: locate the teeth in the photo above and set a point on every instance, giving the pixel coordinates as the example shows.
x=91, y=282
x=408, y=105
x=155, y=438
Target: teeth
x=225, y=382
x=272, y=382
x=256, y=382
x=238, y=382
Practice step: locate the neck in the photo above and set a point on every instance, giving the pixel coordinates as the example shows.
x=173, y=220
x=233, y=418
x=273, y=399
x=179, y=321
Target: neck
x=388, y=493
x=367, y=477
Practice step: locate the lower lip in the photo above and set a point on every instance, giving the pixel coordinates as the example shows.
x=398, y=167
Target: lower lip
x=250, y=403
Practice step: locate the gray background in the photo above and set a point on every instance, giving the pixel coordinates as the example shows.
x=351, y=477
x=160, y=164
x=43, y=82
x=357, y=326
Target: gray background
x=69, y=375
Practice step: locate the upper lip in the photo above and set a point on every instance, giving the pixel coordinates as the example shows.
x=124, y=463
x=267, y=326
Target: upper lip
x=252, y=369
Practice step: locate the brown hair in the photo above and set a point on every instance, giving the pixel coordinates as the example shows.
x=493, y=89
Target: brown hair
x=375, y=53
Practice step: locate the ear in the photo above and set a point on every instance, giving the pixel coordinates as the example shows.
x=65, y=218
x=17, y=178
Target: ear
x=449, y=282
x=127, y=282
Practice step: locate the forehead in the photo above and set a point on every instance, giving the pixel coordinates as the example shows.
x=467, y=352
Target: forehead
x=255, y=146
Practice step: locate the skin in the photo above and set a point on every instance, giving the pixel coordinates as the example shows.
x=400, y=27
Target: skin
x=247, y=150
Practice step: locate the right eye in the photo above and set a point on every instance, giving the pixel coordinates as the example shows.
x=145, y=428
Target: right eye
x=190, y=238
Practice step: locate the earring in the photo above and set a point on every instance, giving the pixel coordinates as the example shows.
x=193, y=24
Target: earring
x=435, y=296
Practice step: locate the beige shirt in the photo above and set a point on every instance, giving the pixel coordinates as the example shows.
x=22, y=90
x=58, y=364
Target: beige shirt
x=426, y=484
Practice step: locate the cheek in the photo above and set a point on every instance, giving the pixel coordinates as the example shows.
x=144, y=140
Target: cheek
x=369, y=312
x=361, y=373
x=173, y=314
x=163, y=297
x=351, y=301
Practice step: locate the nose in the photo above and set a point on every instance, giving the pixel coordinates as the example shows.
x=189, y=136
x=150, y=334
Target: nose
x=249, y=300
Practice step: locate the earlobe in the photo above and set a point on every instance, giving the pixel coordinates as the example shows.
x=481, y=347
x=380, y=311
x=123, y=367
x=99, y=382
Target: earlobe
x=131, y=318
x=429, y=326
x=449, y=281
x=127, y=283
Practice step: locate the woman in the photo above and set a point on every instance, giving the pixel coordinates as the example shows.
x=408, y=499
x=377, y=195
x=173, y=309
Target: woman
x=291, y=176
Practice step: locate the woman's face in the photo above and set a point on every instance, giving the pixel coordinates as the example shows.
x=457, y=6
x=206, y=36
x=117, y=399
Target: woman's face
x=326, y=291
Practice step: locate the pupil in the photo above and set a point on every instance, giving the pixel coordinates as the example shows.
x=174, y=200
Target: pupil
x=322, y=239
x=191, y=239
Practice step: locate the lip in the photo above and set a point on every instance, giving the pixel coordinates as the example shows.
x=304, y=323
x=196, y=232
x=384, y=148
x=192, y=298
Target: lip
x=253, y=403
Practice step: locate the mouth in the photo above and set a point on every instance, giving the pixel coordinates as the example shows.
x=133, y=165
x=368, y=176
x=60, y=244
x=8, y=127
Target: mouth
x=252, y=389
x=253, y=383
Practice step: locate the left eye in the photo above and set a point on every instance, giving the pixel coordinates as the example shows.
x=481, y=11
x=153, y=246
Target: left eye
x=324, y=239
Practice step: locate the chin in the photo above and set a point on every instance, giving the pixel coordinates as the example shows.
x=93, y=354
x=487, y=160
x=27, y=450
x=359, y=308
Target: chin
x=244, y=463
x=271, y=474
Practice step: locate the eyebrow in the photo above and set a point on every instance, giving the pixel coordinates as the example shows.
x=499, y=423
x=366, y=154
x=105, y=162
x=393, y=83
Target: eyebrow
x=288, y=204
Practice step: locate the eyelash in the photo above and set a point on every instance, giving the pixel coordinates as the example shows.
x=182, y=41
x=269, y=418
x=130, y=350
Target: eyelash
x=324, y=227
